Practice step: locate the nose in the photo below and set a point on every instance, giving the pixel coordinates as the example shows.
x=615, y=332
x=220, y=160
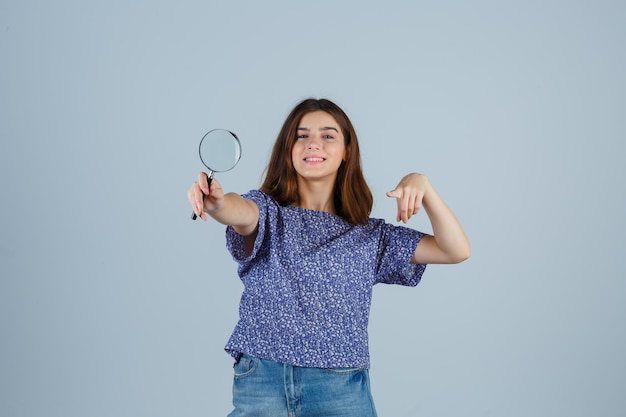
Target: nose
x=314, y=142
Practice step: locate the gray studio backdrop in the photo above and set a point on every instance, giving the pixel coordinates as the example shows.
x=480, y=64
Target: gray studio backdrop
x=114, y=303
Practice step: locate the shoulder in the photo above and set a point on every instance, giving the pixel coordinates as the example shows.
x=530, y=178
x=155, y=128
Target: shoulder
x=256, y=195
x=392, y=233
x=261, y=199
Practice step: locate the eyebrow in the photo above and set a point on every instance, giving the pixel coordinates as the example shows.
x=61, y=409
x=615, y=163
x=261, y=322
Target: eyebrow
x=306, y=129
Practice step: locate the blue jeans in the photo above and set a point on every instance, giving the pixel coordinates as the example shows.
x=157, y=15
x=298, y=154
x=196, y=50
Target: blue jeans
x=264, y=388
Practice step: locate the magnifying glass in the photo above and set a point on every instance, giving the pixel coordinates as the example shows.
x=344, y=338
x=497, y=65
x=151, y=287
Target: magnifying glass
x=220, y=150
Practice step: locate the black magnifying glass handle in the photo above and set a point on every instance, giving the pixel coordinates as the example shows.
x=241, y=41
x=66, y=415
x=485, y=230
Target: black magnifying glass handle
x=194, y=216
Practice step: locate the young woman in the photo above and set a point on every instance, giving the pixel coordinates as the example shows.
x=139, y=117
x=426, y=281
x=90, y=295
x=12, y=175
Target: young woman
x=309, y=255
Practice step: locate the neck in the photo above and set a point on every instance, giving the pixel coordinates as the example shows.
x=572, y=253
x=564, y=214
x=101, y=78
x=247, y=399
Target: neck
x=316, y=196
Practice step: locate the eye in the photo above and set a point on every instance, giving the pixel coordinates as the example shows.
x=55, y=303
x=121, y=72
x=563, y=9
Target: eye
x=328, y=137
x=301, y=137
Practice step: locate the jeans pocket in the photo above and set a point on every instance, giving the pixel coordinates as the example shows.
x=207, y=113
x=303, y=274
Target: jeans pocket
x=343, y=371
x=245, y=367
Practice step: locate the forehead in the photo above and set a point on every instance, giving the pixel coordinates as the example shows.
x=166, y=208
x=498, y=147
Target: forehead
x=318, y=119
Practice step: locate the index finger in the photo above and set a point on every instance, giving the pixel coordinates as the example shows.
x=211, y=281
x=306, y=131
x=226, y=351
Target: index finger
x=203, y=182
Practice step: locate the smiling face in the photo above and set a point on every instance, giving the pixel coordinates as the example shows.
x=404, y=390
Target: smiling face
x=319, y=148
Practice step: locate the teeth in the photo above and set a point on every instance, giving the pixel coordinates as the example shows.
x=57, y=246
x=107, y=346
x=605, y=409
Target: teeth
x=314, y=159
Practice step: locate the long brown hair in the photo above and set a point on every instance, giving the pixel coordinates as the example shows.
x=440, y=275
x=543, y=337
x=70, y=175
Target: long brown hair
x=352, y=197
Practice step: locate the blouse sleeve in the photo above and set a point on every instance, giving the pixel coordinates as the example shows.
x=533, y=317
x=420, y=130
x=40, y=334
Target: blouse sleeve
x=235, y=242
x=397, y=245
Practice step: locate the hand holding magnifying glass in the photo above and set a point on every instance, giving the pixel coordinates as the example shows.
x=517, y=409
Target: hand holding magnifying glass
x=220, y=150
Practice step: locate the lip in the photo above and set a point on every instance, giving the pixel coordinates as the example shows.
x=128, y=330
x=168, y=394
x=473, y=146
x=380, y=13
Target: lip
x=313, y=159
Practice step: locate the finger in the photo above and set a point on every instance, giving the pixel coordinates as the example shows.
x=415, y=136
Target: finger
x=410, y=209
x=198, y=200
x=419, y=198
x=203, y=182
x=192, y=197
x=394, y=193
x=213, y=186
x=397, y=194
x=416, y=207
x=403, y=209
x=414, y=204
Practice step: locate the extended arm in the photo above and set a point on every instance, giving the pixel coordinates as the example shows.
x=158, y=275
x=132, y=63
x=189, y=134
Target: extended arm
x=230, y=209
x=448, y=244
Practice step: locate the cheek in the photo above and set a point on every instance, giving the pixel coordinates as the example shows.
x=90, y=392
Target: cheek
x=298, y=147
x=344, y=153
x=295, y=153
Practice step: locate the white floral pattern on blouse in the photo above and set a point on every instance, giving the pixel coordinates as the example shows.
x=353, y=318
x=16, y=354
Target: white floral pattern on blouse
x=308, y=284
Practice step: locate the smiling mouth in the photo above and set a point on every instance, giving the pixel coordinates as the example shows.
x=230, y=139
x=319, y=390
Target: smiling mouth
x=314, y=159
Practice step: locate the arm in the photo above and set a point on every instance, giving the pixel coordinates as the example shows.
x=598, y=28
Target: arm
x=448, y=244
x=229, y=209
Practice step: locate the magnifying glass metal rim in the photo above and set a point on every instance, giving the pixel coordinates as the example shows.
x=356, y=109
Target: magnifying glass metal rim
x=194, y=216
x=211, y=170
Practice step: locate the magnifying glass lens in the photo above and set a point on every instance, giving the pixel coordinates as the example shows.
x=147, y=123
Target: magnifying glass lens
x=220, y=150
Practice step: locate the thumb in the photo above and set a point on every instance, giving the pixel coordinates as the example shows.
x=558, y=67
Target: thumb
x=394, y=193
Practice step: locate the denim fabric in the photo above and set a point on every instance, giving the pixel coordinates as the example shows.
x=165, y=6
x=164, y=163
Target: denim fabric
x=264, y=388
